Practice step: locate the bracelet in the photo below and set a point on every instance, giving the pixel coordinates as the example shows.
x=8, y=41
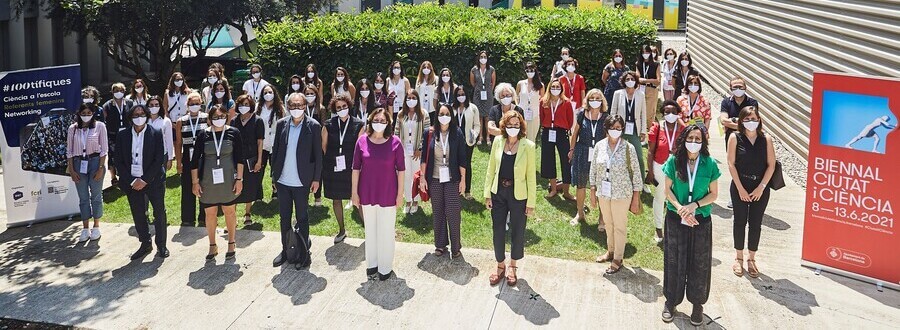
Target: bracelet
x=698, y=204
x=239, y=179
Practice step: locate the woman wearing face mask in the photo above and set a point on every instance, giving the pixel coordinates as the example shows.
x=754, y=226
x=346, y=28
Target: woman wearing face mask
x=187, y=128
x=510, y=192
x=573, y=86
x=691, y=188
x=559, y=69
x=222, y=96
x=296, y=86
x=587, y=131
x=217, y=176
x=751, y=161
x=505, y=94
x=483, y=78
x=311, y=79
x=177, y=92
x=86, y=150
x=255, y=84
x=426, y=85
x=661, y=143
x=684, y=70
x=630, y=104
x=316, y=110
x=115, y=112
x=530, y=91
x=694, y=106
x=470, y=125
x=616, y=185
x=253, y=134
x=212, y=76
x=648, y=81
x=378, y=174
x=668, y=69
x=556, y=119
x=365, y=101
x=138, y=93
x=342, y=83
x=270, y=111
x=410, y=126
x=159, y=121
x=442, y=172
x=380, y=91
x=397, y=87
x=90, y=95
x=339, y=135
x=445, y=87
x=613, y=73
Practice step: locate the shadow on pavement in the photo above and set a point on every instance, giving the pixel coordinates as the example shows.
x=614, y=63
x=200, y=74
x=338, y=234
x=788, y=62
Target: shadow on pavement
x=638, y=283
x=188, y=236
x=522, y=300
x=785, y=293
x=389, y=294
x=300, y=285
x=887, y=297
x=345, y=257
x=457, y=270
x=768, y=220
x=213, y=278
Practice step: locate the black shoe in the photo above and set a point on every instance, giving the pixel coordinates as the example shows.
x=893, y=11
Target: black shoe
x=371, y=271
x=668, y=313
x=143, y=251
x=385, y=277
x=162, y=253
x=279, y=260
x=697, y=315
x=304, y=264
x=230, y=255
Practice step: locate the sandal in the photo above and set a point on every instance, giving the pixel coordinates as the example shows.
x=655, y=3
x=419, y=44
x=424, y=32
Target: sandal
x=247, y=220
x=568, y=197
x=456, y=255
x=495, y=278
x=601, y=228
x=230, y=255
x=738, y=267
x=511, y=278
x=576, y=220
x=604, y=258
x=438, y=252
x=751, y=268
x=212, y=255
x=614, y=267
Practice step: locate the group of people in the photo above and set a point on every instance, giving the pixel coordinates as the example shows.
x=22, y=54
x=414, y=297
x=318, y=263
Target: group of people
x=388, y=143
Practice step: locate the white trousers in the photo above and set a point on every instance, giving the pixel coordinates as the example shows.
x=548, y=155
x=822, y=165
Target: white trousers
x=659, y=195
x=380, y=225
x=411, y=167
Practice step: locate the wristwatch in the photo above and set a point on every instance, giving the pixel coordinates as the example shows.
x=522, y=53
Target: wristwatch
x=239, y=179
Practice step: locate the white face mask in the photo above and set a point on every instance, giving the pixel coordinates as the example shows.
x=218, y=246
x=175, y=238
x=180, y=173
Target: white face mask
x=685, y=62
x=506, y=100
x=595, y=104
x=295, y=87
x=751, y=125
x=444, y=120
x=655, y=54
x=445, y=78
x=154, y=110
x=670, y=57
x=310, y=99
x=693, y=88
x=243, y=109
x=671, y=118
x=570, y=68
x=118, y=95
x=310, y=75
x=256, y=75
x=618, y=59
x=564, y=57
x=426, y=71
x=364, y=94
x=139, y=90
x=268, y=97
x=555, y=91
x=86, y=119
x=343, y=113
x=139, y=121
x=396, y=71
x=482, y=60
x=178, y=83
x=412, y=103
x=379, y=127
x=529, y=74
x=339, y=78
x=737, y=92
x=219, y=122
x=614, y=133
x=645, y=55
x=296, y=113
x=693, y=147
x=212, y=80
x=89, y=101
x=194, y=108
x=220, y=95
x=379, y=86
x=461, y=98
x=629, y=83
x=512, y=131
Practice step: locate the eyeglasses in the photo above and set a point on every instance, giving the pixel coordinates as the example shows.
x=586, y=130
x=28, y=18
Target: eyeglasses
x=343, y=108
x=220, y=117
x=376, y=121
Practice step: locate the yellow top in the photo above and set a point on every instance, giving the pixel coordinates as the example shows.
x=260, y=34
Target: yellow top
x=525, y=186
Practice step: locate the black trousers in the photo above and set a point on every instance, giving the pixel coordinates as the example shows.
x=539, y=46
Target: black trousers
x=549, y=151
x=505, y=203
x=748, y=213
x=293, y=204
x=687, y=260
x=469, y=151
x=189, y=215
x=152, y=194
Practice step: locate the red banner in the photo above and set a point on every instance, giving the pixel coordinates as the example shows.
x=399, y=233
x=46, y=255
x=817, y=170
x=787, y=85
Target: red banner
x=853, y=181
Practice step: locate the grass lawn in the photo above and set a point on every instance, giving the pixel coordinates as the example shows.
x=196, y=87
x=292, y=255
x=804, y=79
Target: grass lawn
x=548, y=234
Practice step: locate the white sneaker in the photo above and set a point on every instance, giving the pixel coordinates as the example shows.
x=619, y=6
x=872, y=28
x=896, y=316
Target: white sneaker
x=95, y=234
x=414, y=209
x=730, y=205
x=85, y=236
x=647, y=189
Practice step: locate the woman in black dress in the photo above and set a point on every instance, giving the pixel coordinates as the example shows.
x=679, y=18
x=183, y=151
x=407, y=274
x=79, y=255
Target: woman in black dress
x=253, y=131
x=339, y=135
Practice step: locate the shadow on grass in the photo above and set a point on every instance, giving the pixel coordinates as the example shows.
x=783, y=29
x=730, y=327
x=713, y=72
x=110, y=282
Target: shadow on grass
x=589, y=230
x=173, y=181
x=419, y=222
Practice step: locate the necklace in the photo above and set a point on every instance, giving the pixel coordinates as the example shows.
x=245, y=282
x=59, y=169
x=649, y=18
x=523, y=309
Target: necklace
x=508, y=148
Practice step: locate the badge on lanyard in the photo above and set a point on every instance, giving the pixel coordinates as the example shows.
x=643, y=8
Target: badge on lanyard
x=340, y=163
x=692, y=177
x=218, y=175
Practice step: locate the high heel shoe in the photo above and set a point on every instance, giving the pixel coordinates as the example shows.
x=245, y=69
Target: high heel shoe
x=212, y=255
x=230, y=255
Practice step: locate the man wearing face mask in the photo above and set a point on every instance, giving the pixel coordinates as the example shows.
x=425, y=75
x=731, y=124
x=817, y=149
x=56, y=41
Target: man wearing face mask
x=296, y=167
x=731, y=106
x=114, y=114
x=140, y=160
x=255, y=84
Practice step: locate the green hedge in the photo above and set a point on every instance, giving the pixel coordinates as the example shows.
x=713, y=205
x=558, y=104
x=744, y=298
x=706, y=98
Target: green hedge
x=450, y=36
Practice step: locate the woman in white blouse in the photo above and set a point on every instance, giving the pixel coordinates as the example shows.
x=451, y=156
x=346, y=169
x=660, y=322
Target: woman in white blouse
x=530, y=90
x=139, y=93
x=426, y=85
x=667, y=68
x=160, y=121
x=270, y=110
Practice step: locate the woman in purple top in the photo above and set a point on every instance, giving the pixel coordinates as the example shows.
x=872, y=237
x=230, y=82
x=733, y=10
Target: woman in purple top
x=378, y=167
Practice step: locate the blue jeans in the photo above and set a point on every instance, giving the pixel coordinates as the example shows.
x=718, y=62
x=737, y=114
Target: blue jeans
x=90, y=191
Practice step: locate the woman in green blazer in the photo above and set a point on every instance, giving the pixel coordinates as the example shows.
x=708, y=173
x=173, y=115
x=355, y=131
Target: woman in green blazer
x=510, y=190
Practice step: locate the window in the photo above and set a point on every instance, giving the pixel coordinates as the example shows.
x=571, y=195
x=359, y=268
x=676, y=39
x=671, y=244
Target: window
x=374, y=5
x=566, y=3
x=531, y=3
x=409, y=2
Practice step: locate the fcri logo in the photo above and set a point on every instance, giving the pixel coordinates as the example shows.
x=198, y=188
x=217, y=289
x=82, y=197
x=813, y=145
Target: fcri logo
x=18, y=195
x=834, y=253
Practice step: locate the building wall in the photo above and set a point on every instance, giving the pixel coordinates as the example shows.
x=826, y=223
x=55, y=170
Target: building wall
x=777, y=45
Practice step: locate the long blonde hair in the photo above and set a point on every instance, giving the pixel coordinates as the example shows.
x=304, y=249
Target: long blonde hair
x=545, y=100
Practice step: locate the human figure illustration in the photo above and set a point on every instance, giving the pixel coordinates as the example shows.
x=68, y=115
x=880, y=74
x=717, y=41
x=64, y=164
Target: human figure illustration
x=869, y=132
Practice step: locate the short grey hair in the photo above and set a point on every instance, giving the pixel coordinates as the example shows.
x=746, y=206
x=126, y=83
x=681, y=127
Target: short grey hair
x=298, y=96
x=504, y=87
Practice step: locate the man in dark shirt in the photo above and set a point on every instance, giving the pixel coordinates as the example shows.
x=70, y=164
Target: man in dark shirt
x=731, y=106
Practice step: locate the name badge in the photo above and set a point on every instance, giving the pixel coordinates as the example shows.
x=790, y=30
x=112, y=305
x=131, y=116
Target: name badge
x=218, y=175
x=529, y=114
x=474, y=133
x=629, y=128
x=483, y=95
x=409, y=149
x=590, y=154
x=684, y=222
x=397, y=103
x=340, y=163
x=606, y=189
x=83, y=167
x=444, y=174
x=136, y=171
x=551, y=136
x=190, y=153
x=46, y=120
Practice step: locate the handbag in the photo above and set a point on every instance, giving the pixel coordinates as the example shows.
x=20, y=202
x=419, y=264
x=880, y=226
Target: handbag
x=640, y=209
x=777, y=180
x=419, y=175
x=298, y=249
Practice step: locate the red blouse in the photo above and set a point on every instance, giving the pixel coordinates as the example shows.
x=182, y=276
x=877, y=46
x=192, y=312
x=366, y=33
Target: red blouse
x=573, y=89
x=564, y=116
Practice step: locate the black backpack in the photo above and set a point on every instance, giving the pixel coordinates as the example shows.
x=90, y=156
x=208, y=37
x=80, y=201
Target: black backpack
x=298, y=249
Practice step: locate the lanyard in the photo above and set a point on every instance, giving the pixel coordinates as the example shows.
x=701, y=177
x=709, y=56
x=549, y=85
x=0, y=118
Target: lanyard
x=571, y=85
x=218, y=143
x=629, y=108
x=447, y=96
x=256, y=89
x=177, y=104
x=670, y=138
x=593, y=123
x=137, y=146
x=646, y=67
x=445, y=143
x=411, y=122
x=342, y=134
x=362, y=109
x=610, y=157
x=527, y=95
x=553, y=108
x=460, y=115
x=482, y=72
x=684, y=78
x=692, y=177
x=121, y=111
x=692, y=103
x=194, y=128
x=85, y=132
